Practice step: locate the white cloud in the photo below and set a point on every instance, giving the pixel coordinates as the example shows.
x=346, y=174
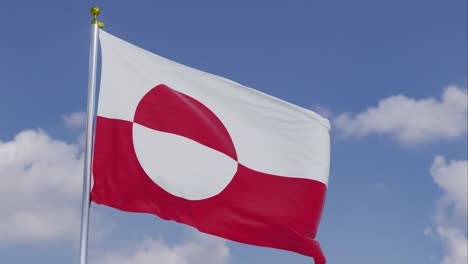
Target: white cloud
x=322, y=110
x=450, y=216
x=41, y=187
x=452, y=178
x=410, y=120
x=456, y=245
x=428, y=232
x=75, y=120
x=200, y=250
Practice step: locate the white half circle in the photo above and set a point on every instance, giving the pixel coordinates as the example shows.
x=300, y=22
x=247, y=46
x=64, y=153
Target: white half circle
x=181, y=166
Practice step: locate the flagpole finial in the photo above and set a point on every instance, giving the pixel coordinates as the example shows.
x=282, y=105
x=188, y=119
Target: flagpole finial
x=96, y=11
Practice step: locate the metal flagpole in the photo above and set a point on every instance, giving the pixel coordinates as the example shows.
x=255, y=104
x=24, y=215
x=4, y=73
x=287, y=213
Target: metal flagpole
x=95, y=25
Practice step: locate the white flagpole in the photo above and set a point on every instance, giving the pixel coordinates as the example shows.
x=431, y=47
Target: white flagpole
x=95, y=25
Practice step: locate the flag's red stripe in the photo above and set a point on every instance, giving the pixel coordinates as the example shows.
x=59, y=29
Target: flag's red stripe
x=255, y=208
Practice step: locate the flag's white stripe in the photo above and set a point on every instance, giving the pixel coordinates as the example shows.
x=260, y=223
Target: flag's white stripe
x=270, y=135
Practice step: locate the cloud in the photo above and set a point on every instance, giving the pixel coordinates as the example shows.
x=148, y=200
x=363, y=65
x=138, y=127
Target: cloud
x=428, y=232
x=199, y=250
x=410, y=120
x=75, y=120
x=450, y=216
x=322, y=110
x=452, y=178
x=456, y=245
x=41, y=187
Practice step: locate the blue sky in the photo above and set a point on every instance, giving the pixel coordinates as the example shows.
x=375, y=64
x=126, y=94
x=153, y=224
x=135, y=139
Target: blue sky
x=390, y=75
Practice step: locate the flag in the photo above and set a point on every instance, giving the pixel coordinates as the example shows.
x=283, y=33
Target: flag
x=205, y=151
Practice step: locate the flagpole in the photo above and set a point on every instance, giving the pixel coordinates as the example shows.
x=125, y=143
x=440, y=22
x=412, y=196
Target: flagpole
x=95, y=25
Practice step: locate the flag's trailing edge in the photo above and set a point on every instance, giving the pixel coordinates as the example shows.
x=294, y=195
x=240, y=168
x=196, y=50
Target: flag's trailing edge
x=205, y=151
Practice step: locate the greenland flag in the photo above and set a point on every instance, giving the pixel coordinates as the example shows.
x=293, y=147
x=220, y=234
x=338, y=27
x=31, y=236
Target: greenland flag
x=205, y=151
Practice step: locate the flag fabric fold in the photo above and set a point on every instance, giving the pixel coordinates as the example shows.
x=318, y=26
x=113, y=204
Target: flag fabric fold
x=205, y=151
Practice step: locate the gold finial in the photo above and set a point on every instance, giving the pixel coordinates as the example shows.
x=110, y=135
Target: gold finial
x=95, y=11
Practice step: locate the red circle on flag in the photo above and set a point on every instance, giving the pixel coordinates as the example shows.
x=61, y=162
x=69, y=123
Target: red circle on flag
x=182, y=145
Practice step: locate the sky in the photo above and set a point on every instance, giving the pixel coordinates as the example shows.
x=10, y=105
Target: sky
x=391, y=76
